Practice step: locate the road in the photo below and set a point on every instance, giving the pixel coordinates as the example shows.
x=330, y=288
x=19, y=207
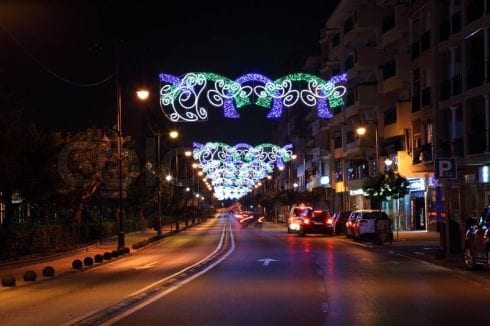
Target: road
x=262, y=276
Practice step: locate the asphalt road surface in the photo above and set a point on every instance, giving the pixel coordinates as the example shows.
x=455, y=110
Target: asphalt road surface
x=255, y=276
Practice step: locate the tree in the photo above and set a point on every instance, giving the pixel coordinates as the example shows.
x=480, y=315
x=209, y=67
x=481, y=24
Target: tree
x=27, y=157
x=381, y=186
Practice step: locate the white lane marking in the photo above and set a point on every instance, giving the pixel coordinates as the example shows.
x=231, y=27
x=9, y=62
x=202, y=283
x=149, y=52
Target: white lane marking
x=266, y=261
x=147, y=266
x=178, y=285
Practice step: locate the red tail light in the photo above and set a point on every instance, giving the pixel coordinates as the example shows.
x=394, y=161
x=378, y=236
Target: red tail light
x=306, y=221
x=329, y=221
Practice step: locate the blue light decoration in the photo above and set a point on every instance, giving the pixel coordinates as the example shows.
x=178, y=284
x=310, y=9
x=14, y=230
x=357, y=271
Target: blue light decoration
x=181, y=99
x=234, y=170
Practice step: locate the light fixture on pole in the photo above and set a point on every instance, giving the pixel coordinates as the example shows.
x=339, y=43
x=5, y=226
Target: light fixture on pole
x=361, y=131
x=143, y=95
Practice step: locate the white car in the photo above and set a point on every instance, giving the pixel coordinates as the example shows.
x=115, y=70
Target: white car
x=365, y=221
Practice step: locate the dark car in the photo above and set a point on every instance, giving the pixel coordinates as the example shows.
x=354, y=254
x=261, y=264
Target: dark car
x=339, y=220
x=477, y=242
x=313, y=221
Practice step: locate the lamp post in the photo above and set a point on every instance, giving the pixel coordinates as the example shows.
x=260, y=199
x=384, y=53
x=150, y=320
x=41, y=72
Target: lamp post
x=121, y=240
x=361, y=131
x=143, y=95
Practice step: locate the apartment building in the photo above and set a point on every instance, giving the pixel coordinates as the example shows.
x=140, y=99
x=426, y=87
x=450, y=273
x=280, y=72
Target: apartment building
x=418, y=79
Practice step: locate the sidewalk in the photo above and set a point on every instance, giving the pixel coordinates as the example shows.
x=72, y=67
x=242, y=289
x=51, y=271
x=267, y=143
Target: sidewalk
x=423, y=245
x=62, y=263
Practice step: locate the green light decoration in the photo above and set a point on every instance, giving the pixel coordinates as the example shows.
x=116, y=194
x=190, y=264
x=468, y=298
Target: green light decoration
x=234, y=170
x=181, y=98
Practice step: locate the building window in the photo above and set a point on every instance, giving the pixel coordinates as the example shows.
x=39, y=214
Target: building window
x=390, y=116
x=339, y=177
x=389, y=23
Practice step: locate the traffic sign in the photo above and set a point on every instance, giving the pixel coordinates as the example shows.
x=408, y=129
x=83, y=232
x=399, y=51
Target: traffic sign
x=445, y=168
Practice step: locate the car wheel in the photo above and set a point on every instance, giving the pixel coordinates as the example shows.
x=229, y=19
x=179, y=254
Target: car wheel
x=469, y=259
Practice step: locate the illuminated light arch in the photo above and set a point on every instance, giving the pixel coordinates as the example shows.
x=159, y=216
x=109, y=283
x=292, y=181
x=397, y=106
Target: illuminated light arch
x=234, y=170
x=180, y=98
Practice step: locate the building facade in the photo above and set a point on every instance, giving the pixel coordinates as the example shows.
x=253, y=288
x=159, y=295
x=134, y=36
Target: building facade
x=418, y=80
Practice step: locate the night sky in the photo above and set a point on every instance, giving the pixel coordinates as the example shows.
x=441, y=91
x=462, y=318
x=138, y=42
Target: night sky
x=55, y=56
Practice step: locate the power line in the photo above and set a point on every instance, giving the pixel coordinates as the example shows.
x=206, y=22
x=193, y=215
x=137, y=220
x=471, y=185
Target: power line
x=50, y=71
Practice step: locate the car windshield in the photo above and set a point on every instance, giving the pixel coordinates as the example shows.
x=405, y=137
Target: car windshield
x=373, y=215
x=302, y=212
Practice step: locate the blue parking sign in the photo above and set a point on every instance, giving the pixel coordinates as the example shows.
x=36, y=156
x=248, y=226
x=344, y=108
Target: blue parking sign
x=445, y=168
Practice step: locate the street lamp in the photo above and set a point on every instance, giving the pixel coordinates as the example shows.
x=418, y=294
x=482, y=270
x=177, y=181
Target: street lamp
x=361, y=131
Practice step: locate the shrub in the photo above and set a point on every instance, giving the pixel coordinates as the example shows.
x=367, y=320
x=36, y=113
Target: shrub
x=126, y=250
x=8, y=281
x=30, y=276
x=120, y=251
x=88, y=261
x=98, y=258
x=77, y=264
x=48, y=271
x=107, y=256
x=115, y=253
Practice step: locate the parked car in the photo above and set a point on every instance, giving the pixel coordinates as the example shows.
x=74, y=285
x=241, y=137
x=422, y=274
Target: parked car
x=370, y=224
x=477, y=242
x=339, y=221
x=349, y=232
x=309, y=220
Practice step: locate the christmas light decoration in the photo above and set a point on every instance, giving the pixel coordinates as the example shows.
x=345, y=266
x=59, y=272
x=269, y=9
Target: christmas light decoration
x=235, y=170
x=181, y=99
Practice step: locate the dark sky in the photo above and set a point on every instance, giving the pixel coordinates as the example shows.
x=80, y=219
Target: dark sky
x=53, y=51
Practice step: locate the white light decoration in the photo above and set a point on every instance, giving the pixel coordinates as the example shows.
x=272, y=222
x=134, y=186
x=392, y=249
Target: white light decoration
x=181, y=99
x=235, y=170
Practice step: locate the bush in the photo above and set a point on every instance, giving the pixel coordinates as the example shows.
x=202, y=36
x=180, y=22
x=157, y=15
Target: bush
x=98, y=258
x=120, y=251
x=30, y=276
x=115, y=253
x=48, y=271
x=8, y=281
x=88, y=261
x=126, y=250
x=77, y=264
x=107, y=256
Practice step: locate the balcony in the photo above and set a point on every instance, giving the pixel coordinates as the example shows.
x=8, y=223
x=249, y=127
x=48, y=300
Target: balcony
x=395, y=74
x=423, y=154
x=450, y=87
x=366, y=58
x=362, y=96
x=395, y=26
